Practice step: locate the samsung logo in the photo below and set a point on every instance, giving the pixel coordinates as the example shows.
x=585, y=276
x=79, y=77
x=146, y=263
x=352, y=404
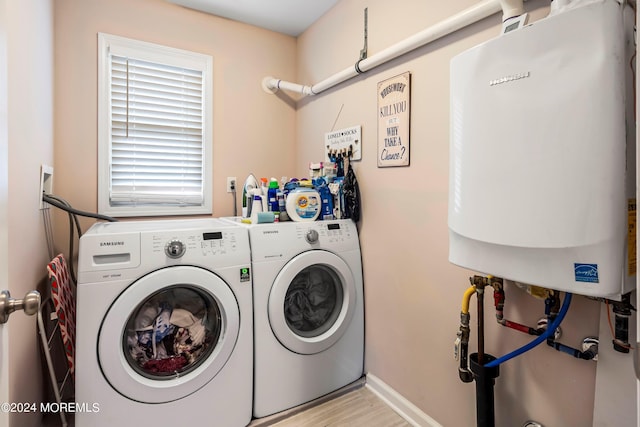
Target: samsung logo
x=114, y=243
x=510, y=78
x=270, y=232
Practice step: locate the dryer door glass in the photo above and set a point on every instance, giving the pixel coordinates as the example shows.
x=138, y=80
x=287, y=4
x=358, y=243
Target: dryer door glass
x=171, y=332
x=313, y=301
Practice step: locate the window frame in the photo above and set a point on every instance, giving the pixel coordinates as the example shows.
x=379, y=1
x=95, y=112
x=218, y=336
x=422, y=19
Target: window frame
x=151, y=52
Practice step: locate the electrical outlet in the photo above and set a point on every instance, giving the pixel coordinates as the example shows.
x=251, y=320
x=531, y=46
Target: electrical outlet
x=46, y=183
x=231, y=184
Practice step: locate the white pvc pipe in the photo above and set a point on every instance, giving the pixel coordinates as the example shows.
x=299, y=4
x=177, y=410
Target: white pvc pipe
x=272, y=85
x=511, y=9
x=460, y=20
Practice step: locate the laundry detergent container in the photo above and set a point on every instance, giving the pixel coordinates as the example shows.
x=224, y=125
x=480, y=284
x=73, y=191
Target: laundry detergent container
x=303, y=204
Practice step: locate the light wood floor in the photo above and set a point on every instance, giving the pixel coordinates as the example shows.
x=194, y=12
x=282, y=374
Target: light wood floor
x=357, y=408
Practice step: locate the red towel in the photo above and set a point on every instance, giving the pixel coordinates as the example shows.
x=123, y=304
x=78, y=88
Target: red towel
x=64, y=302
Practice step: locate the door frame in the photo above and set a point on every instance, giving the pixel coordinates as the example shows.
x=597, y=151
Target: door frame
x=4, y=203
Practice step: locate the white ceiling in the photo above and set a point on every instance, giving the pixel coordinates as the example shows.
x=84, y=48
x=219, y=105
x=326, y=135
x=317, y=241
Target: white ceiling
x=290, y=17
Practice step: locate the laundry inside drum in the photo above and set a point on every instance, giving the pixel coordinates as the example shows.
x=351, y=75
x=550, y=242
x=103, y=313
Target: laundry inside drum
x=313, y=301
x=172, y=332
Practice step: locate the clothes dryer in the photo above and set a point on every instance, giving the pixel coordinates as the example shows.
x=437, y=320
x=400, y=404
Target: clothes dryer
x=308, y=311
x=164, y=324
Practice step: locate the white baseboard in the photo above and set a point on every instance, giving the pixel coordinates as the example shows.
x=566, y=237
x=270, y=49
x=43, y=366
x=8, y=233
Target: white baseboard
x=407, y=410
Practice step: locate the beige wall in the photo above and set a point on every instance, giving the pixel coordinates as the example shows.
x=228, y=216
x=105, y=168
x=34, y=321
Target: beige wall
x=30, y=139
x=412, y=292
x=253, y=131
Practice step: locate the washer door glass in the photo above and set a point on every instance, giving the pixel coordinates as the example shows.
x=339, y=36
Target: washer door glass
x=168, y=334
x=312, y=302
x=172, y=332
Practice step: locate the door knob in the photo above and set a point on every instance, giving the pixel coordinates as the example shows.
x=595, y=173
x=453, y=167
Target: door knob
x=30, y=304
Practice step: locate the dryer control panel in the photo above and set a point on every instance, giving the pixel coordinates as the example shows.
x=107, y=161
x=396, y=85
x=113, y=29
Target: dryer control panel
x=277, y=241
x=326, y=232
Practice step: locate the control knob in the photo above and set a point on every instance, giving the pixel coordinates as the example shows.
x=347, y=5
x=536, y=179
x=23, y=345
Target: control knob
x=311, y=236
x=175, y=249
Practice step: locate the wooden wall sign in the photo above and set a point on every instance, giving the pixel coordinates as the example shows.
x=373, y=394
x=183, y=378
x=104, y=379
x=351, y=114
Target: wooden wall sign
x=393, y=120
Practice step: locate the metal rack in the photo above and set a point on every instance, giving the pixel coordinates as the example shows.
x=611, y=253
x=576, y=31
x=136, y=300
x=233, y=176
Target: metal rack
x=56, y=328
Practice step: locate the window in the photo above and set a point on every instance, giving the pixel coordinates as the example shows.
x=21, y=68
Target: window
x=154, y=129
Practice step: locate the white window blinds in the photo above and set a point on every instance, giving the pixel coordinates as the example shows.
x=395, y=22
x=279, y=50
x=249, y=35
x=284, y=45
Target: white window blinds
x=155, y=132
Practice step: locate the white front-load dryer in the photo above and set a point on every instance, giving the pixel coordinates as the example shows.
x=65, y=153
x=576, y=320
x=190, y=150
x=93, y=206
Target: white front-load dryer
x=164, y=324
x=308, y=311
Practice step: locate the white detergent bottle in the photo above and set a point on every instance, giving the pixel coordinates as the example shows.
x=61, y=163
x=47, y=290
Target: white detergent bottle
x=256, y=206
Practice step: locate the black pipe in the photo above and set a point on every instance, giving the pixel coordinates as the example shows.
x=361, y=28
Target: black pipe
x=485, y=381
x=622, y=311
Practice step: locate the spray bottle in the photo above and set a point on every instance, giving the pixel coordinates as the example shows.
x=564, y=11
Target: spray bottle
x=264, y=192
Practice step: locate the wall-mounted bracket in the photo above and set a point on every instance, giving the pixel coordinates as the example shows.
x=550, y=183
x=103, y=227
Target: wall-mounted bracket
x=363, y=52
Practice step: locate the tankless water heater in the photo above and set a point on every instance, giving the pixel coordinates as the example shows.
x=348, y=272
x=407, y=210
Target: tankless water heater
x=542, y=158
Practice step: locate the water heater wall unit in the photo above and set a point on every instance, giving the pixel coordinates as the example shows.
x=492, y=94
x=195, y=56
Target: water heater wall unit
x=542, y=154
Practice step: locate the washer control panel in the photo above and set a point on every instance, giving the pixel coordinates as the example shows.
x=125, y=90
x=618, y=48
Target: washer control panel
x=113, y=251
x=212, y=243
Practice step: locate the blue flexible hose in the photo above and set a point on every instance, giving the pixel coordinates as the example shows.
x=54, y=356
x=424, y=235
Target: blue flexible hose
x=540, y=339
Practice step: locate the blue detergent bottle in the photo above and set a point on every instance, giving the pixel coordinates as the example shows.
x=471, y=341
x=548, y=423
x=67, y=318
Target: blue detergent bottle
x=326, y=211
x=272, y=195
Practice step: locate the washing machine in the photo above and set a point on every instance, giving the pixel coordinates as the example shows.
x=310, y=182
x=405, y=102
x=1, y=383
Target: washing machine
x=308, y=311
x=164, y=324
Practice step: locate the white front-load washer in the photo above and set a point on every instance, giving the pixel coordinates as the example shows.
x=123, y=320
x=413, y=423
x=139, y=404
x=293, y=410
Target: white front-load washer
x=308, y=311
x=164, y=324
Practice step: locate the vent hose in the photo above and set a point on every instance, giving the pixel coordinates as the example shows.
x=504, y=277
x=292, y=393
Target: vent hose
x=540, y=339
